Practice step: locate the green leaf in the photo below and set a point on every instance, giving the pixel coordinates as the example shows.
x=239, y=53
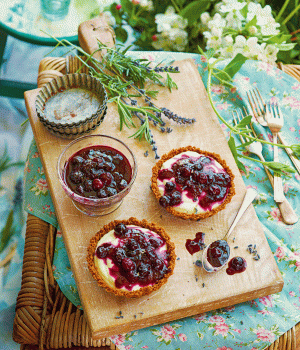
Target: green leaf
x=170, y=83
x=7, y=231
x=127, y=6
x=121, y=34
x=245, y=121
x=234, y=152
x=235, y=64
x=251, y=23
x=279, y=167
x=180, y=2
x=285, y=47
x=244, y=11
x=278, y=39
x=194, y=9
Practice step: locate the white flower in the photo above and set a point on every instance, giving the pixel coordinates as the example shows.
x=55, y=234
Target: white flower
x=147, y=5
x=231, y=5
x=205, y=17
x=217, y=21
x=179, y=39
x=252, y=30
x=217, y=32
x=170, y=20
x=234, y=20
x=228, y=40
x=240, y=41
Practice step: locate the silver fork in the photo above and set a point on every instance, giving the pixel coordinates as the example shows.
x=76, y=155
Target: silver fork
x=275, y=123
x=258, y=107
x=288, y=214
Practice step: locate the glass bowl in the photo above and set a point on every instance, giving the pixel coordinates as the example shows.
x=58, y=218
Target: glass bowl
x=95, y=206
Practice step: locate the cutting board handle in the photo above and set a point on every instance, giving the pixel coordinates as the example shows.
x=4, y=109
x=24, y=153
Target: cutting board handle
x=93, y=31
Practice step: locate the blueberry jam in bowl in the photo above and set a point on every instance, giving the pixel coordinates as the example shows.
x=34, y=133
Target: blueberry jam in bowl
x=97, y=172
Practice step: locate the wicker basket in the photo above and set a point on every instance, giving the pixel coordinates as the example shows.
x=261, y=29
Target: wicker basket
x=44, y=316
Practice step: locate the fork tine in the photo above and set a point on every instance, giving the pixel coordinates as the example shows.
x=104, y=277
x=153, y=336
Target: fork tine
x=259, y=107
x=268, y=111
x=250, y=99
x=279, y=112
x=260, y=99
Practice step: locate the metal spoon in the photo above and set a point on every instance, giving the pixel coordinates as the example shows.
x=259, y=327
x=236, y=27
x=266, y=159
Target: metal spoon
x=248, y=199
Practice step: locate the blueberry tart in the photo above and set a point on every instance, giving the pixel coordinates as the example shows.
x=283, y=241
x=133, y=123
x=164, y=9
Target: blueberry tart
x=191, y=183
x=131, y=258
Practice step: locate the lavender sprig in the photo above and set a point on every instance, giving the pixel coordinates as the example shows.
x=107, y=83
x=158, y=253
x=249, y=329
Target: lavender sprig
x=124, y=79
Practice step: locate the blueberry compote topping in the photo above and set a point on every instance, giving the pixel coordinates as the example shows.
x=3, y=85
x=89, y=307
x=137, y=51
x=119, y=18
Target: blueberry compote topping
x=195, y=245
x=198, y=177
x=218, y=253
x=236, y=265
x=98, y=172
x=138, y=259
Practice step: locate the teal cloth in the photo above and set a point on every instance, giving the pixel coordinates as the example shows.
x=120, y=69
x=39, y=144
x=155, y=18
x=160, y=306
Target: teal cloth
x=250, y=325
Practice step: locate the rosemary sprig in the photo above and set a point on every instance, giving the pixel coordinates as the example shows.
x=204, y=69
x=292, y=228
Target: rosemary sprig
x=125, y=80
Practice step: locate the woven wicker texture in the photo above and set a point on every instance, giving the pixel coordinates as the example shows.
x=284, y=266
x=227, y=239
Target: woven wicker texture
x=44, y=316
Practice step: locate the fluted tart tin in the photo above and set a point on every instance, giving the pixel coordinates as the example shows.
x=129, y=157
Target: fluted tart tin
x=71, y=105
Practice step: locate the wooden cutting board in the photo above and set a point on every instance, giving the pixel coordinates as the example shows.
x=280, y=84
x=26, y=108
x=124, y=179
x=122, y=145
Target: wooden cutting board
x=190, y=290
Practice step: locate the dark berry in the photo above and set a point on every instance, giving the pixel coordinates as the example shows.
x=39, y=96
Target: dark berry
x=202, y=178
x=106, y=178
x=218, y=253
x=117, y=159
x=128, y=264
x=165, y=174
x=97, y=184
x=238, y=263
x=175, y=198
x=80, y=190
x=164, y=201
x=180, y=179
x=120, y=230
x=123, y=184
x=119, y=255
x=214, y=190
x=198, y=166
x=170, y=186
x=102, y=193
x=205, y=160
x=118, y=177
x=111, y=191
x=132, y=244
x=158, y=264
x=76, y=177
x=109, y=166
x=104, y=250
x=77, y=160
x=185, y=171
x=88, y=185
x=155, y=242
x=144, y=270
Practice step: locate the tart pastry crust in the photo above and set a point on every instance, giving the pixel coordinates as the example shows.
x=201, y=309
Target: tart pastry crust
x=143, y=290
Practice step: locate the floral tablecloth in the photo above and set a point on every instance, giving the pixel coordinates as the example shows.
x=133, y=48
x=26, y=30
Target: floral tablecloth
x=251, y=325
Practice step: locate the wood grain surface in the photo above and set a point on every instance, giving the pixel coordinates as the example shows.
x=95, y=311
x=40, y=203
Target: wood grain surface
x=183, y=295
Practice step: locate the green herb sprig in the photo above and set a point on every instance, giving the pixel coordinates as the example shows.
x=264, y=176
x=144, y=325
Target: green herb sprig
x=125, y=80
x=226, y=75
